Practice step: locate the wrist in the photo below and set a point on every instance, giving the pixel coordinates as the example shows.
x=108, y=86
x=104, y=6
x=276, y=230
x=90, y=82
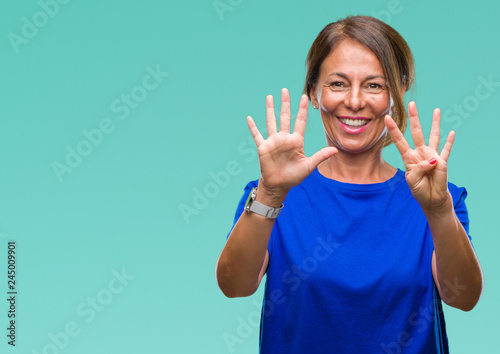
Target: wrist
x=273, y=197
x=439, y=210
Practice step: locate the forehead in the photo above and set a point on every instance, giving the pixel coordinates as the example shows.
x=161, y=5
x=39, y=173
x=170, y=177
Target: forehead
x=352, y=59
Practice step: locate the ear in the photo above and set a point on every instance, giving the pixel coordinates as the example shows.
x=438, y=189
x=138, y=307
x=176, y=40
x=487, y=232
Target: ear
x=314, y=99
x=403, y=90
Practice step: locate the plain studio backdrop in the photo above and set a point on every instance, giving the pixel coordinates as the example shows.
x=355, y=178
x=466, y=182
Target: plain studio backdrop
x=124, y=151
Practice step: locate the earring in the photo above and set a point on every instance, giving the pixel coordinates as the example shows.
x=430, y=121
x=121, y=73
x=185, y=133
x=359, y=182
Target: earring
x=315, y=106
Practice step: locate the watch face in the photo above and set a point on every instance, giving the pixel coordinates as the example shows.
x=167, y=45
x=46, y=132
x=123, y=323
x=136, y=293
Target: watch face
x=251, y=197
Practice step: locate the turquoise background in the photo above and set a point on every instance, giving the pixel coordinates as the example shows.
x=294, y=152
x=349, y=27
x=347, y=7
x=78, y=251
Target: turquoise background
x=118, y=210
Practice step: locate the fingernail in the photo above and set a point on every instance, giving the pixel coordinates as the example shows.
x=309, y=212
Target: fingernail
x=433, y=161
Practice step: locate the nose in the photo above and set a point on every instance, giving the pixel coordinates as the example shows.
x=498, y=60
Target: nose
x=354, y=99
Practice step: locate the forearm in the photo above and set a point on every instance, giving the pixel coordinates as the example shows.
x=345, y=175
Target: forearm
x=283, y=165
x=457, y=271
x=240, y=265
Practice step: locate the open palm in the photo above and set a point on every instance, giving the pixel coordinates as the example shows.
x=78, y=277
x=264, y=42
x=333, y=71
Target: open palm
x=283, y=163
x=426, y=168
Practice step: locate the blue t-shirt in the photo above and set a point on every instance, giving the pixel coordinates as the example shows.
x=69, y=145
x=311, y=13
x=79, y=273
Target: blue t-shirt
x=350, y=270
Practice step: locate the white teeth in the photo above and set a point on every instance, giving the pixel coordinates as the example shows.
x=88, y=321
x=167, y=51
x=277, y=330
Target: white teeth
x=354, y=122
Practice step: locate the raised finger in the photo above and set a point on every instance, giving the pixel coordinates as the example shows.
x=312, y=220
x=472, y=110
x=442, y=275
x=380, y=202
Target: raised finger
x=301, y=120
x=445, y=153
x=434, y=136
x=415, y=126
x=397, y=137
x=270, y=117
x=285, y=114
x=257, y=136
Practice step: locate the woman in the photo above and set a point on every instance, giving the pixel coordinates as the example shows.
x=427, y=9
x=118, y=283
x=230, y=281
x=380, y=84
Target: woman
x=362, y=253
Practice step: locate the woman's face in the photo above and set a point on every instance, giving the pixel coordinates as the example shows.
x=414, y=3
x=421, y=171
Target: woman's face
x=353, y=97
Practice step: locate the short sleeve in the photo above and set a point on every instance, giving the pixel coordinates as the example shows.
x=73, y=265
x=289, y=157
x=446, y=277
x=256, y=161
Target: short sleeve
x=459, y=194
x=243, y=200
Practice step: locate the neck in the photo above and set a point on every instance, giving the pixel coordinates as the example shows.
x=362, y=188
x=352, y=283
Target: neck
x=361, y=168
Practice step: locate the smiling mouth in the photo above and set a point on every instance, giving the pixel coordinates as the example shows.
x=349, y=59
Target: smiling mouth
x=354, y=123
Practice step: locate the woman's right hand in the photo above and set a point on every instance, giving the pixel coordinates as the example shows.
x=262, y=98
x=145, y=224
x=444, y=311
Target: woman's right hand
x=283, y=163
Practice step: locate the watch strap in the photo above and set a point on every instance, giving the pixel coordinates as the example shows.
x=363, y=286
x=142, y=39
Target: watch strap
x=255, y=207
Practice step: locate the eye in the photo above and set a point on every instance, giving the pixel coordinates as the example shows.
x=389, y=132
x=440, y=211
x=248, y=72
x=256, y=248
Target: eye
x=374, y=86
x=337, y=85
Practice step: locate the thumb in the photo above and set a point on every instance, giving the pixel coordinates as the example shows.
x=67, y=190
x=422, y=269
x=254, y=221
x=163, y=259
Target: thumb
x=322, y=155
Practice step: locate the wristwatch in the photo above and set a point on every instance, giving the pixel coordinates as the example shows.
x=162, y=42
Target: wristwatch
x=255, y=207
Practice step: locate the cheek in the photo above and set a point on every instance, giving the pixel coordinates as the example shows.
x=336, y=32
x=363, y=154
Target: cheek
x=380, y=105
x=330, y=100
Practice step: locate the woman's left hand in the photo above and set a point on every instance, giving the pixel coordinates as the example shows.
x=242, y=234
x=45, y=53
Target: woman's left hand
x=426, y=168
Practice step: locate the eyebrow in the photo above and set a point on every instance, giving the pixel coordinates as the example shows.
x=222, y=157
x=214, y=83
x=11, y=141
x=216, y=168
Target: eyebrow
x=367, y=78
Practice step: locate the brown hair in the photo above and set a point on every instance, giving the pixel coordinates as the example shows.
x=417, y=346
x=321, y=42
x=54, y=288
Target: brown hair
x=384, y=41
